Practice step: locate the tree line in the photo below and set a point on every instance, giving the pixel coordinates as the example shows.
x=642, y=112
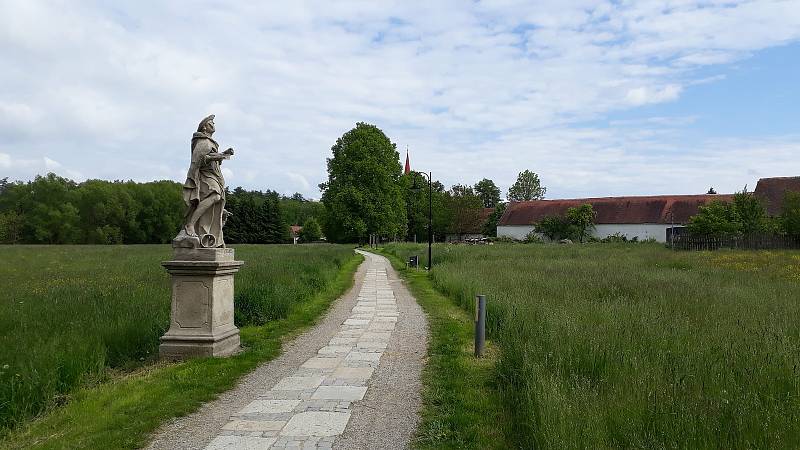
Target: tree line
x=55, y=210
x=366, y=193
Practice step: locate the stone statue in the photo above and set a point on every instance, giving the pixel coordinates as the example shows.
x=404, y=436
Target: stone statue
x=204, y=192
x=202, y=269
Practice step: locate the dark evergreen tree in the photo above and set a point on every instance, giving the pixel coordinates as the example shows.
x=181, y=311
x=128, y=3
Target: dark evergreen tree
x=256, y=218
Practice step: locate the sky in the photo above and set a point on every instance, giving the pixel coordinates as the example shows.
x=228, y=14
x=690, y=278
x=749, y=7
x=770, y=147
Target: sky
x=599, y=98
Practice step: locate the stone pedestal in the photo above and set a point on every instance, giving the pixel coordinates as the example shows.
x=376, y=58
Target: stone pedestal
x=201, y=320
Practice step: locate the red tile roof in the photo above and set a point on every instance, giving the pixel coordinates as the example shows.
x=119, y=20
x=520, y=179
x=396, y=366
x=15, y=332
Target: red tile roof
x=772, y=190
x=614, y=210
x=650, y=209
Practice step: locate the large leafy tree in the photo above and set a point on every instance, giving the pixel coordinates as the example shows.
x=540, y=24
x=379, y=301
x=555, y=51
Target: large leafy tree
x=465, y=210
x=527, y=187
x=162, y=210
x=111, y=213
x=48, y=204
x=488, y=192
x=363, y=194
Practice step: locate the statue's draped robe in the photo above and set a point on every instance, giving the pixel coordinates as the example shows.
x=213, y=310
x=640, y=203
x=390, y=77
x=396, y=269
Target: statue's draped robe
x=203, y=180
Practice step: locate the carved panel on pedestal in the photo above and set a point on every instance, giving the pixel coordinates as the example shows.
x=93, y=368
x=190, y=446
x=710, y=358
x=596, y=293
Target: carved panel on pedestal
x=191, y=307
x=223, y=306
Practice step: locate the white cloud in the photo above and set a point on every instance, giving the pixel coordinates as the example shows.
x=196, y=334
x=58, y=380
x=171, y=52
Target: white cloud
x=644, y=95
x=299, y=181
x=50, y=164
x=475, y=89
x=30, y=167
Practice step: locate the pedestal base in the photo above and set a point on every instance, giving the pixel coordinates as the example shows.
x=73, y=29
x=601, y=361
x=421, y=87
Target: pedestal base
x=201, y=320
x=184, y=347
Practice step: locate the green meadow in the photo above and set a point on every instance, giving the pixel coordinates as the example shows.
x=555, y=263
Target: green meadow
x=77, y=317
x=632, y=346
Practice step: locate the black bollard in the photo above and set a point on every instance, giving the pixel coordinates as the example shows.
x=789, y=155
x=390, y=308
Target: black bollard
x=480, y=324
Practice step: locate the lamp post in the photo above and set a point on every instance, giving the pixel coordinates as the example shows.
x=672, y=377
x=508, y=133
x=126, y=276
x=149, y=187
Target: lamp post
x=671, y=229
x=416, y=188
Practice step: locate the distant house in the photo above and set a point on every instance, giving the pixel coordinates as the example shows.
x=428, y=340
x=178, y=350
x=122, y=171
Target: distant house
x=475, y=232
x=636, y=217
x=295, y=232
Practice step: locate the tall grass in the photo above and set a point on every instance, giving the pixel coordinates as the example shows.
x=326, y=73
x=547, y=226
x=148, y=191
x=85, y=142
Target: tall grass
x=69, y=313
x=637, y=346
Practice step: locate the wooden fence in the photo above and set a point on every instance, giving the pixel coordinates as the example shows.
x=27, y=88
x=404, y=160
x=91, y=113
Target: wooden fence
x=745, y=242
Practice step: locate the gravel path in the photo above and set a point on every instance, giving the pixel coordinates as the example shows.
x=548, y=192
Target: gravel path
x=352, y=381
x=389, y=413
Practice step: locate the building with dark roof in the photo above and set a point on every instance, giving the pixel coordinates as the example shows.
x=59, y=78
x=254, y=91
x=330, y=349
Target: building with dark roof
x=475, y=231
x=645, y=217
x=772, y=190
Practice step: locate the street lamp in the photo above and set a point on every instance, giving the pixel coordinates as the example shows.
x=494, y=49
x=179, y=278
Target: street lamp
x=417, y=188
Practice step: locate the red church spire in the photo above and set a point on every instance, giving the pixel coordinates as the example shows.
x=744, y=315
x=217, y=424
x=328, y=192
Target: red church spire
x=408, y=164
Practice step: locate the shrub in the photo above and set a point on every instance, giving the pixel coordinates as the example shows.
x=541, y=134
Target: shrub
x=745, y=215
x=581, y=220
x=615, y=238
x=554, y=228
x=576, y=225
x=503, y=240
x=311, y=231
x=790, y=214
x=533, y=238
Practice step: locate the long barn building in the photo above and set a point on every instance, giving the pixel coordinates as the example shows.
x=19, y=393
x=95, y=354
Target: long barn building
x=646, y=217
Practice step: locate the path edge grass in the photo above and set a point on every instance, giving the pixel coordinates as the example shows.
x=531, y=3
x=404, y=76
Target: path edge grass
x=124, y=412
x=462, y=407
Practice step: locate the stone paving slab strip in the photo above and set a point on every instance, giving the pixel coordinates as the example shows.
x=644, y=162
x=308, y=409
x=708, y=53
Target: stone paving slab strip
x=309, y=408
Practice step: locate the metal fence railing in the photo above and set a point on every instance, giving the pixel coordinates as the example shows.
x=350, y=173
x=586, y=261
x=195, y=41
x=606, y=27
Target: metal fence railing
x=744, y=242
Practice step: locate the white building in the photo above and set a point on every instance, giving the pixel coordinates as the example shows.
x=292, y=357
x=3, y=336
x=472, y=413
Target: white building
x=639, y=217
x=633, y=217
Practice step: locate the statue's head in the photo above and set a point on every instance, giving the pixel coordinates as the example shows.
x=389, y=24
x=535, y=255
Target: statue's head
x=207, y=125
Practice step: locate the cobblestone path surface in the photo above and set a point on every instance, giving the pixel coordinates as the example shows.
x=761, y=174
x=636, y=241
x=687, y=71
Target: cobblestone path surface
x=311, y=406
